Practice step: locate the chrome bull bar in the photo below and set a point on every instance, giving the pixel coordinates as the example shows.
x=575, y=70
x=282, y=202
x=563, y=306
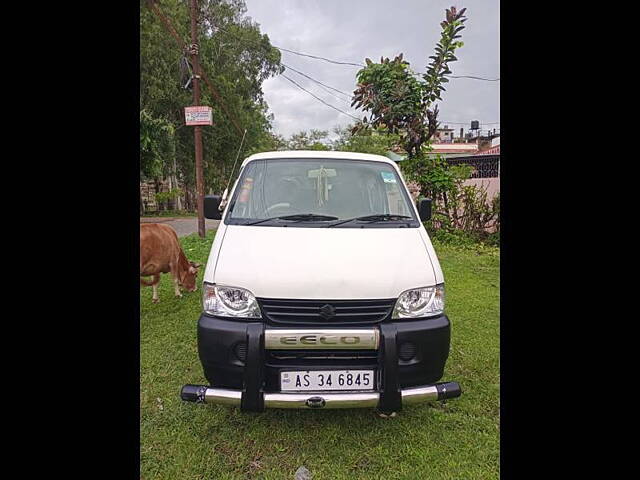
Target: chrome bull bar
x=204, y=394
x=388, y=397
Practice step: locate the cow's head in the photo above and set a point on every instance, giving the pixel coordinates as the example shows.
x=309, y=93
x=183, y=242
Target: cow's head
x=189, y=277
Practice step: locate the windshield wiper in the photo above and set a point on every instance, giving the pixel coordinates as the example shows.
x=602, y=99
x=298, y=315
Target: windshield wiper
x=298, y=217
x=378, y=217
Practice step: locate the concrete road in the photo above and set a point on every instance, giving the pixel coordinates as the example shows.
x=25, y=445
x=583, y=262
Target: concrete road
x=183, y=226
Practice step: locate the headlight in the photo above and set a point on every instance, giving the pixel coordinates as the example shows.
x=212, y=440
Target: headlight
x=420, y=302
x=224, y=301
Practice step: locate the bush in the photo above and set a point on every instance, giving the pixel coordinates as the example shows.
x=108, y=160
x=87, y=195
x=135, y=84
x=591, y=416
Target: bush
x=163, y=198
x=468, y=209
x=493, y=239
x=462, y=214
x=457, y=238
x=460, y=238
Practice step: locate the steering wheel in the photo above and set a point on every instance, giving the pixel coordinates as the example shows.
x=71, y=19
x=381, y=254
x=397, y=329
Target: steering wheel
x=280, y=209
x=292, y=185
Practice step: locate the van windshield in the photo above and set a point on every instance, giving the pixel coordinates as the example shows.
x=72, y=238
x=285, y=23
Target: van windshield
x=320, y=192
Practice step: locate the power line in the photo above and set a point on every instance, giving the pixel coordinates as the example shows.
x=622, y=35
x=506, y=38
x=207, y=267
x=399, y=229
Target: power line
x=340, y=91
x=297, y=71
x=318, y=98
x=318, y=82
x=317, y=57
x=467, y=123
x=357, y=119
x=463, y=76
x=362, y=65
x=475, y=78
x=341, y=99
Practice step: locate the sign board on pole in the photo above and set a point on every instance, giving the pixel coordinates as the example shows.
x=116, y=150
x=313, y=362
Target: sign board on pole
x=198, y=115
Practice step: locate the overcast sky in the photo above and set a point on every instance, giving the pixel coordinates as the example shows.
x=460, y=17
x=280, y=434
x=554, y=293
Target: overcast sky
x=352, y=30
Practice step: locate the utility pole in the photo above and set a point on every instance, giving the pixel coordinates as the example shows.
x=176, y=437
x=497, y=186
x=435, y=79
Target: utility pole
x=197, y=132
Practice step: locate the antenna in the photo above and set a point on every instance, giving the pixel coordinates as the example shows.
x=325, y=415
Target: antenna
x=223, y=202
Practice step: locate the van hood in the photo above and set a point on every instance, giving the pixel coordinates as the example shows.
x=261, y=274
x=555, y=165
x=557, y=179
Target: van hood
x=323, y=263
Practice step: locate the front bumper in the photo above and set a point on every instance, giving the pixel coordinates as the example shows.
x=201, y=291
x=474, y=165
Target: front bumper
x=203, y=394
x=242, y=362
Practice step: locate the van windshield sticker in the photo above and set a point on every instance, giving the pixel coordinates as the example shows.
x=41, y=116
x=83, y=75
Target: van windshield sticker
x=246, y=188
x=388, y=177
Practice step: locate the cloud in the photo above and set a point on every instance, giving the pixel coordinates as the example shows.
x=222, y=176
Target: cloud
x=352, y=30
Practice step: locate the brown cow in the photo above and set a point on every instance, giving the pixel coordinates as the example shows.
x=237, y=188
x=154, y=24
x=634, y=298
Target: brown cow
x=160, y=252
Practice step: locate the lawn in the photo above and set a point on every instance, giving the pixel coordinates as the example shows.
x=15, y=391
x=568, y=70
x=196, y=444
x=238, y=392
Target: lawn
x=458, y=439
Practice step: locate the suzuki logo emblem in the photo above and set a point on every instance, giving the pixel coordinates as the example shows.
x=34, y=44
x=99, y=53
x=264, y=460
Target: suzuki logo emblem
x=327, y=311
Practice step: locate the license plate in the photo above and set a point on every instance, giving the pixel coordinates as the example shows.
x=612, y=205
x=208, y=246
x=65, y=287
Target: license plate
x=320, y=380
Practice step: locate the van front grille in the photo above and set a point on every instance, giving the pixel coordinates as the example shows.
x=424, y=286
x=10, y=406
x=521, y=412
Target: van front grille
x=299, y=359
x=325, y=312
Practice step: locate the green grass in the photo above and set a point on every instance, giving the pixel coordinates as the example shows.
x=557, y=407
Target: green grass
x=458, y=439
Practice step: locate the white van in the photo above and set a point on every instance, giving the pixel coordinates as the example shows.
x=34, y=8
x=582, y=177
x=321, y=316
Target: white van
x=322, y=289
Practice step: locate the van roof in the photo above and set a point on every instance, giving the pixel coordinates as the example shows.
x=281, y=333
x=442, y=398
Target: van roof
x=318, y=154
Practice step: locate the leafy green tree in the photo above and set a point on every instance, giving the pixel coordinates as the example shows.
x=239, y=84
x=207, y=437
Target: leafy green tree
x=236, y=58
x=374, y=141
x=365, y=141
x=278, y=142
x=397, y=101
x=312, y=140
x=401, y=104
x=157, y=147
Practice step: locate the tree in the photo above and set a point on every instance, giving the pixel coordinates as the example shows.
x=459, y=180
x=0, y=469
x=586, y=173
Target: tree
x=377, y=142
x=157, y=149
x=374, y=141
x=278, y=142
x=313, y=140
x=156, y=145
x=236, y=57
x=399, y=102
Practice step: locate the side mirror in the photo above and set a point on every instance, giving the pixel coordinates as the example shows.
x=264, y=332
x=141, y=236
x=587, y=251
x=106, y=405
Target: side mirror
x=424, y=209
x=211, y=204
